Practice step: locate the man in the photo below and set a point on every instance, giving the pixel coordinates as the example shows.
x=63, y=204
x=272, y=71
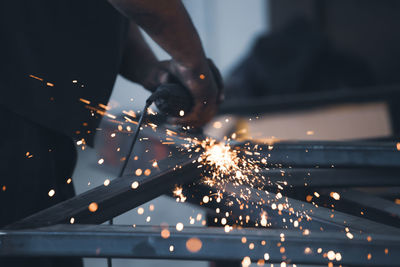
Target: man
x=56, y=54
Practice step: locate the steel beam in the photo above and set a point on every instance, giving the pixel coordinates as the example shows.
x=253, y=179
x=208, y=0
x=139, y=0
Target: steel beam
x=328, y=154
x=258, y=202
x=333, y=177
x=116, y=198
x=212, y=244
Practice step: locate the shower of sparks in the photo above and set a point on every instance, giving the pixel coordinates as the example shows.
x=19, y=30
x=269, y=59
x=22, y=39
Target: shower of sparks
x=224, y=164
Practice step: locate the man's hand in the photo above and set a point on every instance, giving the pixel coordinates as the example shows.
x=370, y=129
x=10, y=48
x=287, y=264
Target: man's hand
x=204, y=84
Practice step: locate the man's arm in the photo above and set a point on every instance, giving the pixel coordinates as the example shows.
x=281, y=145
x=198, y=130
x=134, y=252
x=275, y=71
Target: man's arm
x=138, y=60
x=169, y=25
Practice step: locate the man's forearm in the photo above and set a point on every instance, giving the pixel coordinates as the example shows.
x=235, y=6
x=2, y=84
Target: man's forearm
x=167, y=22
x=138, y=58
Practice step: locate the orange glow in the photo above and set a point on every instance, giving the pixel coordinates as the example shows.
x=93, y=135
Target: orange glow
x=193, y=244
x=138, y=172
x=165, y=233
x=93, y=207
x=147, y=172
x=202, y=76
x=50, y=84
x=84, y=101
x=260, y=262
x=37, y=78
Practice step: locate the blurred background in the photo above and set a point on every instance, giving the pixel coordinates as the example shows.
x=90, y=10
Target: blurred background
x=294, y=70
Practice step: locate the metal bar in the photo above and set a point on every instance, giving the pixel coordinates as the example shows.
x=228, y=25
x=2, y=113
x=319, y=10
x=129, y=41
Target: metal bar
x=371, y=202
x=333, y=177
x=258, y=202
x=204, y=244
x=119, y=197
x=328, y=154
x=116, y=198
x=289, y=102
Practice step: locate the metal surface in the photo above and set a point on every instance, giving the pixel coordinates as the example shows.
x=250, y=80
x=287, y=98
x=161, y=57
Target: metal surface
x=259, y=202
x=146, y=242
x=333, y=177
x=116, y=198
x=119, y=197
x=323, y=164
x=332, y=154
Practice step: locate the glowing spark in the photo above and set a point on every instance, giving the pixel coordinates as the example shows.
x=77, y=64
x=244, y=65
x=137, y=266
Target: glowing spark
x=194, y=245
x=138, y=172
x=181, y=113
x=179, y=226
x=140, y=211
x=135, y=185
x=35, y=77
x=246, y=262
x=338, y=256
x=93, y=207
x=266, y=256
x=223, y=221
x=106, y=182
x=350, y=235
x=335, y=195
x=72, y=220
x=165, y=233
x=51, y=193
x=84, y=101
x=331, y=255
x=101, y=161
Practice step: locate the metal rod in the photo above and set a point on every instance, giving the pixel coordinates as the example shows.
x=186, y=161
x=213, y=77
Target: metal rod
x=118, y=197
x=207, y=244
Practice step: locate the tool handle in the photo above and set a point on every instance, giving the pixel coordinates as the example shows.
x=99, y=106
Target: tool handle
x=172, y=98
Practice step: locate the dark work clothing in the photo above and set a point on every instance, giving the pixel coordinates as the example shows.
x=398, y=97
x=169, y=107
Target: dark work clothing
x=52, y=54
x=26, y=178
x=59, y=41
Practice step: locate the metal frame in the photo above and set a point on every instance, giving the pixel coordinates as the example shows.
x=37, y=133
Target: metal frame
x=146, y=242
x=46, y=233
